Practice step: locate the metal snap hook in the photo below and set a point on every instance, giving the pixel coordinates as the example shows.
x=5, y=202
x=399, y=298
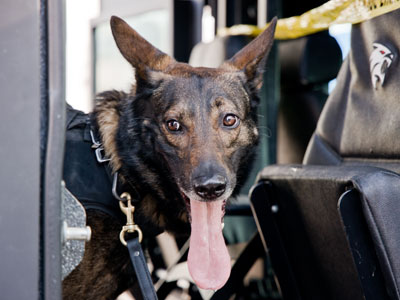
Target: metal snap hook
x=128, y=209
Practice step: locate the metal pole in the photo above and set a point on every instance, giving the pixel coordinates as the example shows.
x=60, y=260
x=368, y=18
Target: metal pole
x=221, y=14
x=261, y=13
x=55, y=150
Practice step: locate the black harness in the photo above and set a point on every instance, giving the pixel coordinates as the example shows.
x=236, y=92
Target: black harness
x=89, y=178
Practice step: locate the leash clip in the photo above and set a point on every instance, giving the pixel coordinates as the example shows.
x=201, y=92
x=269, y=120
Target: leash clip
x=128, y=209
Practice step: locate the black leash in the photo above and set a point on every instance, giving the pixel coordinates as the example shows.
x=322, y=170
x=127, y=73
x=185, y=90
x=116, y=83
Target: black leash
x=142, y=272
x=135, y=250
x=133, y=244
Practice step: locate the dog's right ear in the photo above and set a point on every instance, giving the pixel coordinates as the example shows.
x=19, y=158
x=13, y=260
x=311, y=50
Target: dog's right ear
x=142, y=55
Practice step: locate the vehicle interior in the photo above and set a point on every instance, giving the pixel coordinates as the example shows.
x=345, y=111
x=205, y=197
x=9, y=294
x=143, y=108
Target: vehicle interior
x=317, y=217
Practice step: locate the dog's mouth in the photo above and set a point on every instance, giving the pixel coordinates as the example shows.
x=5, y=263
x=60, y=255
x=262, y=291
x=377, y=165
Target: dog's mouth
x=188, y=210
x=208, y=259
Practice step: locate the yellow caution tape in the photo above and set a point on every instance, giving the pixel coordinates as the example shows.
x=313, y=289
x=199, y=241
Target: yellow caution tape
x=320, y=18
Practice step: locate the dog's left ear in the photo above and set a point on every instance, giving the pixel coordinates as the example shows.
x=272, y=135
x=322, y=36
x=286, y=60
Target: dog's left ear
x=142, y=55
x=251, y=59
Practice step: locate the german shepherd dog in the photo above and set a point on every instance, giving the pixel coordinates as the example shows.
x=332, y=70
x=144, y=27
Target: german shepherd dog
x=183, y=137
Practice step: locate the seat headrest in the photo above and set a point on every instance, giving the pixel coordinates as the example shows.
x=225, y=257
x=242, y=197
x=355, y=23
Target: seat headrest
x=309, y=60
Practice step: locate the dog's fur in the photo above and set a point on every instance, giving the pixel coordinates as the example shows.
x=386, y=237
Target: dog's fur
x=178, y=127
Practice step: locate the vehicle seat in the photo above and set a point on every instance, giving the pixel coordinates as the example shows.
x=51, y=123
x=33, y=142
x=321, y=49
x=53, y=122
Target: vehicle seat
x=331, y=225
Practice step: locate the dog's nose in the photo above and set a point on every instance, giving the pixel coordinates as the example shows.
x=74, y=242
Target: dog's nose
x=210, y=188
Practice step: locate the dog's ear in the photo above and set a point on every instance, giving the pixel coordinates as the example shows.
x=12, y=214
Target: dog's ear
x=251, y=59
x=142, y=55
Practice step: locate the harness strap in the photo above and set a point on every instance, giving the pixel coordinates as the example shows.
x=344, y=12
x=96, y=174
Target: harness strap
x=142, y=272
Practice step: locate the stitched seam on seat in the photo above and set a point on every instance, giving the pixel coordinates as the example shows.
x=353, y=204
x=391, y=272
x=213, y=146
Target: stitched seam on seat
x=384, y=247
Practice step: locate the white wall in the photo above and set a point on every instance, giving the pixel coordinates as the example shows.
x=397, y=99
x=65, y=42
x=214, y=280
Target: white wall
x=78, y=52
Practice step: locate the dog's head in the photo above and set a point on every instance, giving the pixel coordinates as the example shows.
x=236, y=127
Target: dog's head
x=193, y=128
x=203, y=118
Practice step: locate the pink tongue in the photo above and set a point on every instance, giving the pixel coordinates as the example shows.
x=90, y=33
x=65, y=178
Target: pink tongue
x=208, y=259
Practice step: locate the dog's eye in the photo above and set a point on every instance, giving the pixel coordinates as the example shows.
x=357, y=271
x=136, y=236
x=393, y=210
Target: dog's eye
x=174, y=125
x=231, y=121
